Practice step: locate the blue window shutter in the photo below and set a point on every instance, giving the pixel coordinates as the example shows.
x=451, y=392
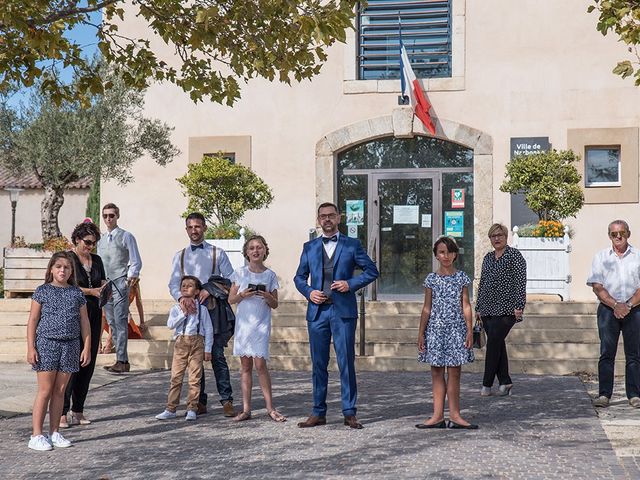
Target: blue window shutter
x=426, y=33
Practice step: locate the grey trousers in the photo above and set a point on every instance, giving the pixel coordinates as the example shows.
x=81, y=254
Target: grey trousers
x=117, y=312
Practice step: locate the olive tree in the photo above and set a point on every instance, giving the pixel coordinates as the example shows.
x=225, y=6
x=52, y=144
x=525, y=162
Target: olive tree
x=63, y=143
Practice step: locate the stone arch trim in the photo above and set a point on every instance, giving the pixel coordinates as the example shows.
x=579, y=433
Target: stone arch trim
x=403, y=124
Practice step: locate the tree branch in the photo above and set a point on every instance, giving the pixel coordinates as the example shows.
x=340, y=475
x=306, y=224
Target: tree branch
x=70, y=12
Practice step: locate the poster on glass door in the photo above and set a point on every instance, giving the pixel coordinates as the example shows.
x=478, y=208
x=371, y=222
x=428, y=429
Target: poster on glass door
x=355, y=212
x=454, y=224
x=457, y=198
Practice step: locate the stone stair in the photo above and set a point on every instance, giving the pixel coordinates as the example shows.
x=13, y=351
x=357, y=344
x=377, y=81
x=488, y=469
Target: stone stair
x=555, y=338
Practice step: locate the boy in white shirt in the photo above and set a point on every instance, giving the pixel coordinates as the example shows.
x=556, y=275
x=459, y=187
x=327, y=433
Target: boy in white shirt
x=193, y=342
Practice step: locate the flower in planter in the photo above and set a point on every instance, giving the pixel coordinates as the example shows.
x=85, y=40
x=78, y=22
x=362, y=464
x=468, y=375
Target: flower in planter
x=549, y=228
x=57, y=244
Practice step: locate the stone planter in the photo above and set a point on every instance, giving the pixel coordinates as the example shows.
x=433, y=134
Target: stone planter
x=24, y=270
x=547, y=263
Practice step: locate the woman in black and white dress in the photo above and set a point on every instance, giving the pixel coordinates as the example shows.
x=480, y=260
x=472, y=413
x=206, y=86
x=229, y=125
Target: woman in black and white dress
x=501, y=300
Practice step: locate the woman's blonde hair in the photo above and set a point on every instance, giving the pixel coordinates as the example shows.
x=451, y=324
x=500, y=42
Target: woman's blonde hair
x=259, y=238
x=498, y=227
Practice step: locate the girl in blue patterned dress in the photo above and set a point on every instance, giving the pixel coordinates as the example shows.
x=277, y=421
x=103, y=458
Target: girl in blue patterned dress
x=445, y=337
x=57, y=321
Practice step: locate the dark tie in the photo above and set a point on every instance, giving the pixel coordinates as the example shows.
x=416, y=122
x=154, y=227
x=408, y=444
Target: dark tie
x=195, y=247
x=328, y=239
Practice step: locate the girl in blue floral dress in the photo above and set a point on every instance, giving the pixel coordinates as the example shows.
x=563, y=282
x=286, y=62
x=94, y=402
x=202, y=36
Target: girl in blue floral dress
x=58, y=344
x=445, y=337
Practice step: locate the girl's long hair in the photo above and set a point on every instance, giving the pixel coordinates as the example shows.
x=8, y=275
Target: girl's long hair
x=48, y=278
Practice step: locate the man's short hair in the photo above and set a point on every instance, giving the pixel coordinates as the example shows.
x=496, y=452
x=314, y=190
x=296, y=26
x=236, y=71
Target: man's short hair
x=328, y=204
x=112, y=206
x=619, y=222
x=195, y=216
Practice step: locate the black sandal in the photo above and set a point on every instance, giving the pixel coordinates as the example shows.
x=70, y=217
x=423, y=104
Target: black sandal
x=454, y=425
x=440, y=424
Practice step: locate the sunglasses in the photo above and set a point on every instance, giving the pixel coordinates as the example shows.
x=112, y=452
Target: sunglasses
x=622, y=234
x=89, y=243
x=108, y=215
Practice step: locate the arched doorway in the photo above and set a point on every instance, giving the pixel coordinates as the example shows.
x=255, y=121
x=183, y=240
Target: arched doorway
x=390, y=170
x=398, y=197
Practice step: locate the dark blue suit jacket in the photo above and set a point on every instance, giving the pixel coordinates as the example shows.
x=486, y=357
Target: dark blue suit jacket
x=349, y=254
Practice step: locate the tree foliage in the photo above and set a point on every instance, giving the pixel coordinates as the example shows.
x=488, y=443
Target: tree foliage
x=62, y=144
x=550, y=182
x=223, y=191
x=623, y=18
x=217, y=44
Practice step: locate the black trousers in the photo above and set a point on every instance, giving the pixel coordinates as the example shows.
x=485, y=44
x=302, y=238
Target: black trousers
x=78, y=385
x=496, y=362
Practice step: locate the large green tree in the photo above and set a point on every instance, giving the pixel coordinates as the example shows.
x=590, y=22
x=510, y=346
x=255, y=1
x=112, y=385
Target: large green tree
x=623, y=18
x=550, y=182
x=217, y=43
x=63, y=143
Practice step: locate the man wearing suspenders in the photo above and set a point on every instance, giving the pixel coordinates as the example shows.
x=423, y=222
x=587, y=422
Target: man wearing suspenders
x=202, y=260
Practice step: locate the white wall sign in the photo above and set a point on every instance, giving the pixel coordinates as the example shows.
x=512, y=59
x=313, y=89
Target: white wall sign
x=406, y=214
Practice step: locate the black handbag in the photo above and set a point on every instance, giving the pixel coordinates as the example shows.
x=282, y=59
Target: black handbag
x=479, y=336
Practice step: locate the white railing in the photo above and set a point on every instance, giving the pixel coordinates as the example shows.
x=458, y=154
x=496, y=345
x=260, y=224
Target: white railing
x=233, y=247
x=547, y=263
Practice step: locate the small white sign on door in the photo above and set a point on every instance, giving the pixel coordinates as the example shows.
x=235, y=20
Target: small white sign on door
x=406, y=214
x=352, y=230
x=426, y=220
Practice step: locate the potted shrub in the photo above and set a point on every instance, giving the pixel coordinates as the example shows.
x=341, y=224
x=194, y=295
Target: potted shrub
x=550, y=183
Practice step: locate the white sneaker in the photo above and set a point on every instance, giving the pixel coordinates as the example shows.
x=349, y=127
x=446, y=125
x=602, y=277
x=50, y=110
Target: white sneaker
x=166, y=415
x=57, y=440
x=39, y=442
x=191, y=415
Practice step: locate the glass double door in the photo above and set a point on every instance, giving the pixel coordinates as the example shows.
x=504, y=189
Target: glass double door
x=408, y=219
x=398, y=215
x=410, y=211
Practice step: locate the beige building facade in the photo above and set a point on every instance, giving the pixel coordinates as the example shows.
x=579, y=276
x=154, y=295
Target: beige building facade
x=528, y=69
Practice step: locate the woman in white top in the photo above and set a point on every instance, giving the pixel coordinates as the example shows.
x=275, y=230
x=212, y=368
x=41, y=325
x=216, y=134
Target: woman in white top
x=255, y=290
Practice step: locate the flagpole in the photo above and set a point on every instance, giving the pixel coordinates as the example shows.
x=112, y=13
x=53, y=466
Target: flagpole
x=402, y=99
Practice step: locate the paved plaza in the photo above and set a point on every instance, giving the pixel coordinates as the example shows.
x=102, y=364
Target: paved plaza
x=547, y=429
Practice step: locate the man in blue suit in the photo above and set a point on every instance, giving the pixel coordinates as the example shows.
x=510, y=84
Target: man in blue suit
x=330, y=261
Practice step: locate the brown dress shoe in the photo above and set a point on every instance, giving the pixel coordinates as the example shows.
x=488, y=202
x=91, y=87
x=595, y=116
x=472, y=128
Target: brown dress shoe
x=229, y=411
x=119, y=367
x=352, y=422
x=313, y=421
x=127, y=366
x=109, y=367
x=202, y=408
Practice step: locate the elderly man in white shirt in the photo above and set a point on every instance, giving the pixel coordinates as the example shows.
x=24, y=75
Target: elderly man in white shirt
x=198, y=259
x=615, y=279
x=122, y=264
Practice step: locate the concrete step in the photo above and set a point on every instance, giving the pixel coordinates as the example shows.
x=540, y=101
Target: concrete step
x=163, y=306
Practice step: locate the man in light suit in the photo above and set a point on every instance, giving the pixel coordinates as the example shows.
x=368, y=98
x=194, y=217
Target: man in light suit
x=332, y=311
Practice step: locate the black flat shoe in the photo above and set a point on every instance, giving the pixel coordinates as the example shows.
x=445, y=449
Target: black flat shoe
x=454, y=425
x=441, y=424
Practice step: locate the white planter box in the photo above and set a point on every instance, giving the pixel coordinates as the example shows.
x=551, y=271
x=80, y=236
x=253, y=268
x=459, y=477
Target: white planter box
x=24, y=269
x=547, y=263
x=233, y=247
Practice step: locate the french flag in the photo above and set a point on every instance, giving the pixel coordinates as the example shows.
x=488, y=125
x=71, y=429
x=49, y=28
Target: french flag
x=411, y=89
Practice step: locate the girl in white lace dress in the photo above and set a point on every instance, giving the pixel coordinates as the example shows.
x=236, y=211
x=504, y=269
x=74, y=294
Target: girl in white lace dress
x=255, y=289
